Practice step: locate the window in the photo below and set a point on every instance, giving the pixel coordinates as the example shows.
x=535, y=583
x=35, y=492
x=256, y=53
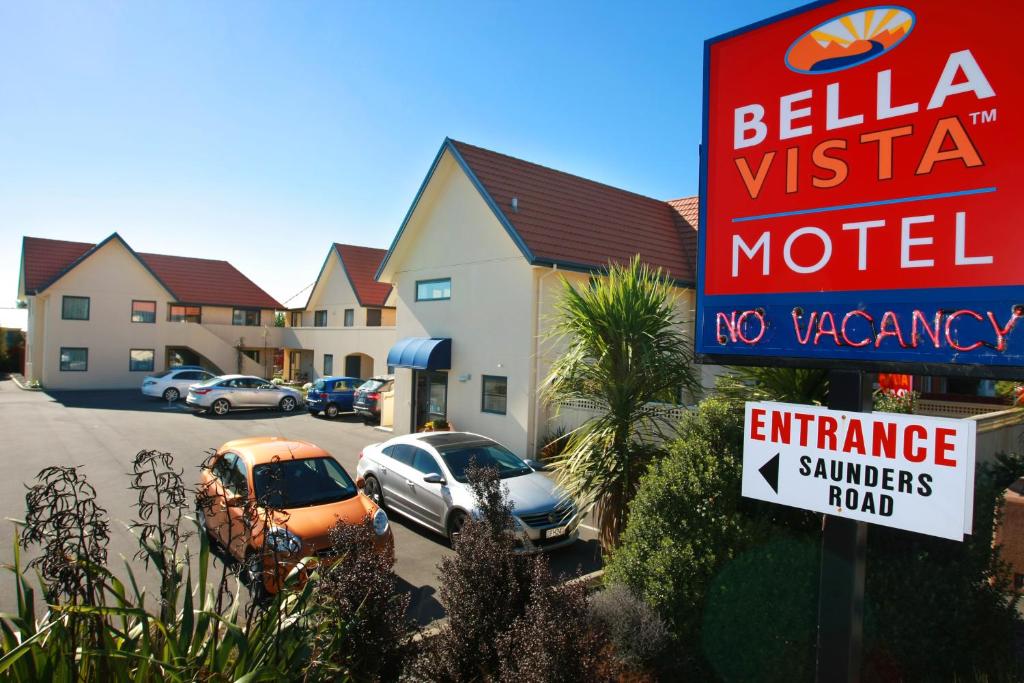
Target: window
x=320, y=319
x=143, y=311
x=302, y=483
x=140, y=360
x=246, y=316
x=328, y=363
x=434, y=290
x=495, y=398
x=224, y=468
x=296, y=318
x=373, y=317
x=193, y=376
x=75, y=308
x=74, y=359
x=350, y=317
x=177, y=313
x=425, y=463
x=252, y=353
x=403, y=453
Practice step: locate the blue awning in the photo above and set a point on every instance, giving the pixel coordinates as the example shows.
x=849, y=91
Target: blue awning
x=421, y=353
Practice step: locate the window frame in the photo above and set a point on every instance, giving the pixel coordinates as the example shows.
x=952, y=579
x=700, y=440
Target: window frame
x=484, y=394
x=152, y=360
x=379, y=317
x=432, y=280
x=317, y=320
x=245, y=321
x=185, y=317
x=328, y=372
x=143, y=322
x=64, y=307
x=60, y=358
x=349, y=319
x=296, y=315
x=255, y=357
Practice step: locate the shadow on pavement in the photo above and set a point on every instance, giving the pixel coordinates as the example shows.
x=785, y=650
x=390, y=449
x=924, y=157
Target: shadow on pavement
x=130, y=399
x=424, y=607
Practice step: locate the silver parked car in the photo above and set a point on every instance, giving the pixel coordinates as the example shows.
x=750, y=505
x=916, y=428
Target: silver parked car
x=223, y=394
x=423, y=477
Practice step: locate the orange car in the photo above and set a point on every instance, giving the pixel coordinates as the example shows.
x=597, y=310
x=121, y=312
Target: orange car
x=270, y=501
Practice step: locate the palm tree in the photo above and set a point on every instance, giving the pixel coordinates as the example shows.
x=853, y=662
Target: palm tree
x=789, y=385
x=625, y=349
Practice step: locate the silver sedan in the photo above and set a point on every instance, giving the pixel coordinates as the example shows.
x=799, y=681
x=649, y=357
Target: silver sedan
x=223, y=394
x=423, y=477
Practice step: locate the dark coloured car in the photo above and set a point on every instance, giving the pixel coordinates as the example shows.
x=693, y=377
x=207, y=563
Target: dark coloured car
x=367, y=398
x=332, y=395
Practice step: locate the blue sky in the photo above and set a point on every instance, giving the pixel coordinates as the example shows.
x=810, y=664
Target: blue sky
x=261, y=132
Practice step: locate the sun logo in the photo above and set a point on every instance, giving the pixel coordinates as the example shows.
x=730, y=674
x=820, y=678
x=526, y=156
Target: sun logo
x=850, y=39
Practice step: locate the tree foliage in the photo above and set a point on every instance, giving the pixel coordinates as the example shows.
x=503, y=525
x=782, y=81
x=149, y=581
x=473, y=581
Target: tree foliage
x=624, y=350
x=789, y=385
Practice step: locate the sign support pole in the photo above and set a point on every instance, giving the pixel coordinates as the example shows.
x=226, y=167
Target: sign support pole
x=843, y=555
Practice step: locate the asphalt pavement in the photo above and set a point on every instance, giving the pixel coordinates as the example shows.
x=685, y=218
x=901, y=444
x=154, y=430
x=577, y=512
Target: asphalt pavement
x=101, y=431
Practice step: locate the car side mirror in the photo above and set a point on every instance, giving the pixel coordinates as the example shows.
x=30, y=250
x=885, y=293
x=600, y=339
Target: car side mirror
x=537, y=466
x=434, y=478
x=360, y=482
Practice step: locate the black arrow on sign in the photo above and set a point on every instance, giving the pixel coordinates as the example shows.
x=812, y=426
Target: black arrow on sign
x=770, y=472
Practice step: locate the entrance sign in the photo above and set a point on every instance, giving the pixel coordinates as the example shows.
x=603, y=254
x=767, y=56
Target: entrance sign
x=904, y=471
x=861, y=184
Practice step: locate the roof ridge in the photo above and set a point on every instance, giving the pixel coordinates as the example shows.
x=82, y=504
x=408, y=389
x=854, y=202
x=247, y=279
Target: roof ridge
x=555, y=170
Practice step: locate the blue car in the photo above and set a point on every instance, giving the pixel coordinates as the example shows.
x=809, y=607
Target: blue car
x=332, y=395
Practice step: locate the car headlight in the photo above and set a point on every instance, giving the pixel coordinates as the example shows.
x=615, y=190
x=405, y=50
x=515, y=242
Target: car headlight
x=380, y=522
x=281, y=540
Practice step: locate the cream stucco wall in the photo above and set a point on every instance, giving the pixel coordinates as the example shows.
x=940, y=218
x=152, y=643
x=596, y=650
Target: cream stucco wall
x=371, y=342
x=333, y=293
x=112, y=278
x=453, y=233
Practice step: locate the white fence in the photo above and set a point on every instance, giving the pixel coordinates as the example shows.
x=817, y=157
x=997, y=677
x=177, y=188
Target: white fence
x=569, y=415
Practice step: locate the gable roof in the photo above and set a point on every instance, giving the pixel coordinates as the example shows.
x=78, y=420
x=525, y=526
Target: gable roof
x=188, y=280
x=361, y=264
x=570, y=221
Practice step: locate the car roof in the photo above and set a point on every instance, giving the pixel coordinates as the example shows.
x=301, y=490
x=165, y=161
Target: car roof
x=331, y=378
x=240, y=377
x=443, y=440
x=187, y=367
x=259, y=450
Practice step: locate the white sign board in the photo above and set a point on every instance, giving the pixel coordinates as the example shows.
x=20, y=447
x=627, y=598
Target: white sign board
x=904, y=471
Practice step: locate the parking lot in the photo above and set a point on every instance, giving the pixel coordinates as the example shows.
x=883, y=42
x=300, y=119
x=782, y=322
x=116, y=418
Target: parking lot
x=101, y=431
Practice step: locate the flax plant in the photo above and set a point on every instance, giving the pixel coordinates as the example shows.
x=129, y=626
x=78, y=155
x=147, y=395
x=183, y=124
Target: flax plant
x=625, y=349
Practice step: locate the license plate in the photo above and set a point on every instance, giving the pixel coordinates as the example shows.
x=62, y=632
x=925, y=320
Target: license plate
x=556, y=532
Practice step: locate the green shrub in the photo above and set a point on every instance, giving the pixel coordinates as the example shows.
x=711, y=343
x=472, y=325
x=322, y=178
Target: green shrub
x=638, y=634
x=887, y=401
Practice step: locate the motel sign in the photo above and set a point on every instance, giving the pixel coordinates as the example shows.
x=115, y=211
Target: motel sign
x=862, y=186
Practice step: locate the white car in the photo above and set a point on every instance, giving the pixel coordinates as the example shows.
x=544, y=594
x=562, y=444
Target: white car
x=170, y=385
x=423, y=477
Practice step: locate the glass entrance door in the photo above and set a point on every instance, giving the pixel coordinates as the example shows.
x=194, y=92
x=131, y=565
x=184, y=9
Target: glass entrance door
x=431, y=397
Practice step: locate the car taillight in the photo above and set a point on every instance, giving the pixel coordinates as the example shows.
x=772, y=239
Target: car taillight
x=323, y=396
x=374, y=396
x=201, y=392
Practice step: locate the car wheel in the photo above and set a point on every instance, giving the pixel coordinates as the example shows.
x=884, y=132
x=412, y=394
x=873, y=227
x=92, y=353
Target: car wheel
x=331, y=411
x=251, y=574
x=455, y=524
x=373, y=491
x=172, y=395
x=220, y=407
x=288, y=404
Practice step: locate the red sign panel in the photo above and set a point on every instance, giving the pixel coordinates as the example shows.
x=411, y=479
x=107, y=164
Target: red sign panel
x=862, y=164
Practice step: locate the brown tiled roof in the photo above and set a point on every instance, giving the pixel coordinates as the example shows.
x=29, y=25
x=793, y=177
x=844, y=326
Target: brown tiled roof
x=572, y=221
x=206, y=281
x=190, y=280
x=361, y=264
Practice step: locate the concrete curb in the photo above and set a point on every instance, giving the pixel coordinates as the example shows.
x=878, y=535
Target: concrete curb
x=21, y=384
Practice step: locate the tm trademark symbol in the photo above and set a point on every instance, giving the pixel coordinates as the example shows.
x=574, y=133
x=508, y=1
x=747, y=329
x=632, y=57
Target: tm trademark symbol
x=983, y=116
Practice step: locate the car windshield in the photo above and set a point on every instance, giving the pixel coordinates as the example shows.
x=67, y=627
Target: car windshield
x=319, y=385
x=372, y=384
x=301, y=483
x=459, y=457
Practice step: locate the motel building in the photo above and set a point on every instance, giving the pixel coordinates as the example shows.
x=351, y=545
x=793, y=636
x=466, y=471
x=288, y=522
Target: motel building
x=477, y=268
x=347, y=326
x=103, y=316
